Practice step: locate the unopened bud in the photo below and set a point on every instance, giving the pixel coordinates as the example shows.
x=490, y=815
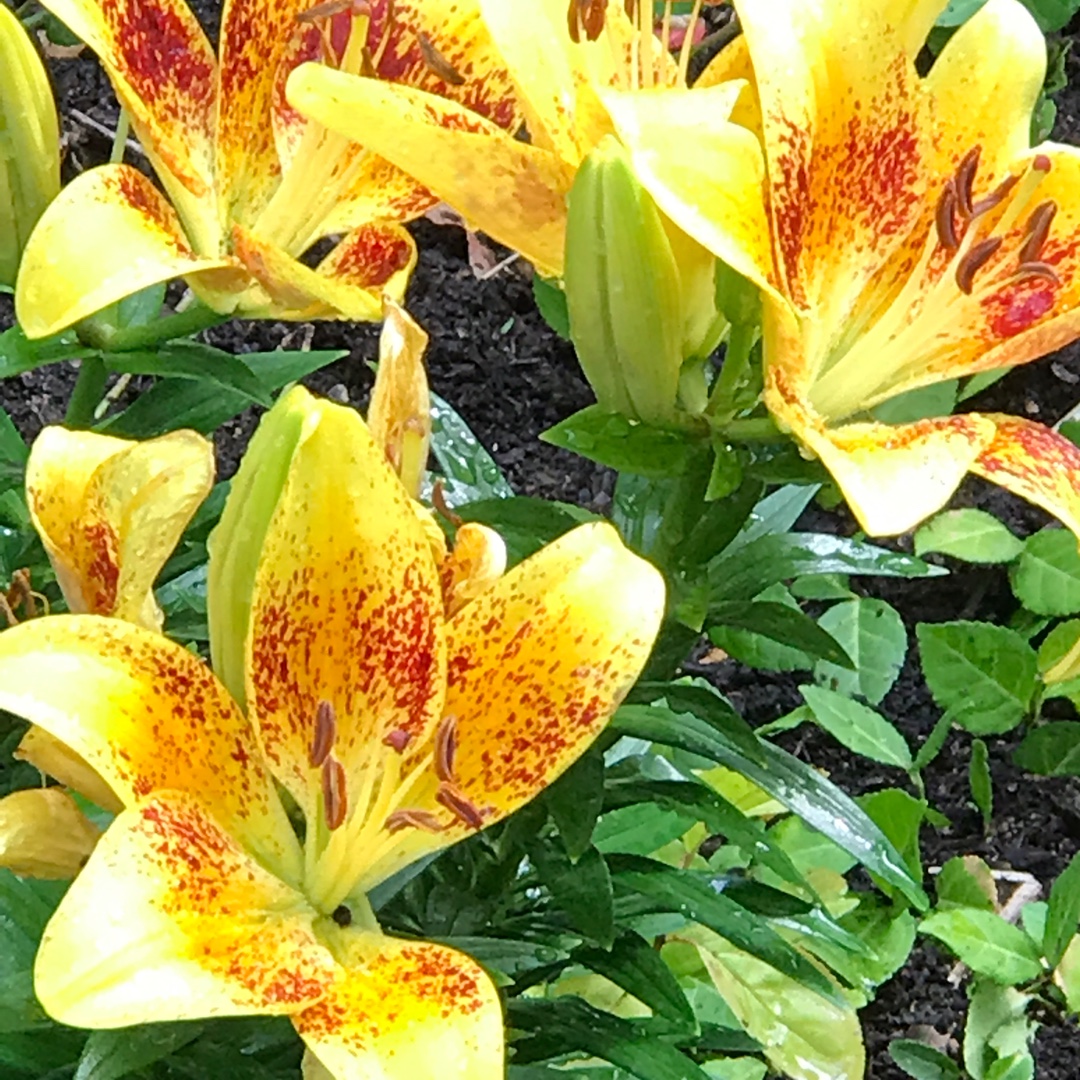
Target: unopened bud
x=29, y=142
x=43, y=834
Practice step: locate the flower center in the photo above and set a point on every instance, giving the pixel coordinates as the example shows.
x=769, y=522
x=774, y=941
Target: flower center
x=983, y=273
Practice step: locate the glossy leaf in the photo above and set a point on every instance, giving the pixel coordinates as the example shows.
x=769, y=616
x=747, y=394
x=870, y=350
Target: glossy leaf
x=783, y=624
x=469, y=471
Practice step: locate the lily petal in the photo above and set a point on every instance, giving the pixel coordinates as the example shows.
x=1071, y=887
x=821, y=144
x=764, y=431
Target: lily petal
x=380, y=193
x=515, y=191
x=348, y=283
x=43, y=834
x=163, y=67
x=110, y=511
x=136, y=238
x=731, y=63
x=538, y=662
x=56, y=759
x=146, y=714
x=405, y=1010
x=1037, y=464
x=346, y=612
x=172, y=920
x=713, y=190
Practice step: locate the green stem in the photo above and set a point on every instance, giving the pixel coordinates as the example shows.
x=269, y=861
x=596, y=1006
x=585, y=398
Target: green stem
x=751, y=430
x=736, y=364
x=121, y=339
x=89, y=387
x=123, y=127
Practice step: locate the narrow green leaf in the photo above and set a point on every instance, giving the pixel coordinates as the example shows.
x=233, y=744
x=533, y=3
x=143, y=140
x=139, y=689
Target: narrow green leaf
x=191, y=360
x=551, y=303
x=980, y=781
x=1046, y=576
x=934, y=741
x=858, y=727
x=469, y=471
x=784, y=624
x=575, y=801
x=984, y=675
x=986, y=943
x=582, y=889
x=1063, y=912
x=1051, y=749
x=972, y=535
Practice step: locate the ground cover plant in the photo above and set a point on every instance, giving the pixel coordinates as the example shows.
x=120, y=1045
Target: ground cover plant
x=650, y=696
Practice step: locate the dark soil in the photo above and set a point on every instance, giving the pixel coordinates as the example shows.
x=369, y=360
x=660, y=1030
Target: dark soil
x=493, y=358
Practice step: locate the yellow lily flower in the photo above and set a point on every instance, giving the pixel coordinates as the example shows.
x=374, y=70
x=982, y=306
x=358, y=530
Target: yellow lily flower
x=912, y=235
x=513, y=190
x=251, y=184
x=397, y=730
x=30, y=150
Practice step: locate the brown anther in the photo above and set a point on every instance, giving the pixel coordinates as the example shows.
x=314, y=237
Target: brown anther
x=438, y=500
x=413, y=819
x=397, y=739
x=945, y=218
x=1041, y=270
x=324, y=736
x=445, y=748
x=437, y=64
x=458, y=805
x=965, y=180
x=996, y=197
x=8, y=615
x=335, y=798
x=21, y=593
x=980, y=254
x=587, y=15
x=330, y=8
x=1042, y=163
x=1038, y=229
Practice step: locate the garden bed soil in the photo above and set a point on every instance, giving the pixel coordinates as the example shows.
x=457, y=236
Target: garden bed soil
x=494, y=359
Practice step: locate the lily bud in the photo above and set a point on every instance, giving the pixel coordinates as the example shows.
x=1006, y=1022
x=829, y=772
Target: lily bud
x=29, y=142
x=640, y=294
x=399, y=415
x=237, y=539
x=43, y=834
x=54, y=758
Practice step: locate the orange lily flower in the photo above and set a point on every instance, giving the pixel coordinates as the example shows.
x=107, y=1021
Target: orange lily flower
x=902, y=229
x=396, y=727
x=250, y=184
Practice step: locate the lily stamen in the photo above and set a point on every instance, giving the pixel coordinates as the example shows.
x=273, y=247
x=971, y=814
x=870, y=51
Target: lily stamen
x=458, y=805
x=414, y=819
x=945, y=217
x=335, y=799
x=322, y=741
x=1038, y=230
x=397, y=740
x=445, y=748
x=971, y=263
x=437, y=64
x=965, y=181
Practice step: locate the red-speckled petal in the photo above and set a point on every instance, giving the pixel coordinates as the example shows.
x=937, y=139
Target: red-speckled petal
x=134, y=233
x=163, y=69
x=110, y=511
x=346, y=610
x=256, y=35
x=513, y=191
x=347, y=284
x=1037, y=464
x=171, y=919
x=147, y=715
x=847, y=137
x=381, y=193
x=538, y=662
x=406, y=1010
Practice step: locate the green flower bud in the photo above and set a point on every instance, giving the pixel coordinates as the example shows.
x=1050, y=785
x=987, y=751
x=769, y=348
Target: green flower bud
x=29, y=142
x=237, y=540
x=640, y=293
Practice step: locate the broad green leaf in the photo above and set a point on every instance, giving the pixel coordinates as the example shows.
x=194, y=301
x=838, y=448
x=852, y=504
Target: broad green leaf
x=972, y=535
x=804, y=1036
x=1046, y=576
x=469, y=471
x=980, y=781
x=110, y=1055
x=1062, y=912
x=923, y=1062
x=782, y=623
x=1052, y=16
x=742, y=1068
x=25, y=908
x=180, y=403
x=858, y=727
x=1051, y=749
x=1015, y=1067
x=753, y=567
x=984, y=675
x=997, y=1026
x=966, y=882
x=612, y=440
x=551, y=303
x=900, y=816
x=758, y=650
x=575, y=800
x=693, y=895
x=633, y=964
x=192, y=360
x=798, y=786
x=1033, y=921
x=986, y=943
x=873, y=635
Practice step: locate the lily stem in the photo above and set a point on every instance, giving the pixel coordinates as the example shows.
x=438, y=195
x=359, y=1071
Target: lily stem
x=89, y=387
x=751, y=430
x=123, y=127
x=181, y=324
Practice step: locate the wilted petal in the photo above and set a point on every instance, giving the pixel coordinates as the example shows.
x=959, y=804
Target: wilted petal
x=477, y=561
x=43, y=834
x=172, y=920
x=406, y=1010
x=135, y=237
x=147, y=715
x=111, y=511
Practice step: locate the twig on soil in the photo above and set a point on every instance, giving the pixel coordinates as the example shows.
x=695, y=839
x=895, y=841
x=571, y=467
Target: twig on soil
x=104, y=129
